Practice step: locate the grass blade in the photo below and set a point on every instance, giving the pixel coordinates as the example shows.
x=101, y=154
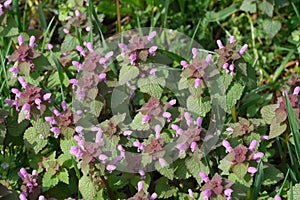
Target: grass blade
x=258, y=181
x=282, y=66
x=293, y=126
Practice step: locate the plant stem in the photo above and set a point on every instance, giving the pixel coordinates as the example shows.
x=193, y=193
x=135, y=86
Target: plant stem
x=118, y=16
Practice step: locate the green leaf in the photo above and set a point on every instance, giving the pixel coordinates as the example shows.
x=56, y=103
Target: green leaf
x=69, y=43
x=225, y=166
x=166, y=171
x=49, y=181
x=117, y=182
x=240, y=169
x=24, y=68
x=268, y=112
x=32, y=140
x=87, y=188
x=295, y=192
x=181, y=171
x=63, y=176
x=272, y=175
x=198, y=106
x=271, y=27
x=152, y=86
x=128, y=73
x=10, y=29
x=233, y=95
x=276, y=129
x=266, y=7
x=41, y=126
x=248, y=6
x=163, y=189
x=65, y=146
x=195, y=167
x=136, y=123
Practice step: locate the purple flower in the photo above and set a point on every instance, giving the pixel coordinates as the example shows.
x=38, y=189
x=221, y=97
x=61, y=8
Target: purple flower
x=253, y=145
x=197, y=82
x=139, y=145
x=102, y=77
x=193, y=146
x=199, y=122
x=257, y=156
x=252, y=170
x=204, y=177
x=172, y=102
x=7, y=4
x=26, y=109
x=14, y=71
x=22, y=81
x=153, y=196
x=89, y=45
x=56, y=131
x=207, y=193
x=76, y=151
x=66, y=31
x=188, y=118
x=167, y=115
x=22, y=196
x=38, y=103
x=277, y=197
x=64, y=105
x=194, y=52
x=142, y=174
x=132, y=58
x=230, y=130
x=296, y=90
x=220, y=45
x=243, y=49
x=227, y=145
x=77, y=13
x=47, y=96
x=191, y=193
x=182, y=146
x=162, y=162
x=88, y=28
x=145, y=119
x=20, y=40
x=184, y=64
x=31, y=41
x=227, y=192
x=49, y=46
x=103, y=158
x=55, y=112
x=152, y=50
x=177, y=129
x=157, y=129
x=140, y=186
x=231, y=39
x=110, y=168
x=42, y=197
x=208, y=58
x=151, y=35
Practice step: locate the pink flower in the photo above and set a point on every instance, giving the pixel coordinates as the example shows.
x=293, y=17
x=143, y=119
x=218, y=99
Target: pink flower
x=140, y=186
x=103, y=158
x=157, y=129
x=177, y=129
x=208, y=58
x=167, y=115
x=145, y=119
x=227, y=145
x=31, y=41
x=193, y=146
x=204, y=177
x=142, y=174
x=111, y=168
x=153, y=196
x=207, y=193
x=253, y=145
x=231, y=39
x=197, y=82
x=172, y=102
x=46, y=96
x=22, y=81
x=88, y=28
x=296, y=90
x=76, y=151
x=14, y=71
x=55, y=112
x=191, y=193
x=243, y=49
x=199, y=122
x=188, y=118
x=162, y=162
x=77, y=13
x=132, y=58
x=228, y=192
x=277, y=197
x=20, y=40
x=50, y=47
x=184, y=64
x=252, y=170
x=257, y=156
x=194, y=52
x=230, y=130
x=56, y=131
x=152, y=50
x=66, y=31
x=64, y=105
x=102, y=77
x=151, y=35
x=139, y=145
x=51, y=120
x=220, y=45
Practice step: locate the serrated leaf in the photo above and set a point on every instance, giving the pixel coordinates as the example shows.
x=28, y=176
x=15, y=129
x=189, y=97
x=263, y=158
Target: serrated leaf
x=32, y=140
x=24, y=68
x=87, y=188
x=69, y=43
x=63, y=176
x=41, y=126
x=295, y=193
x=65, y=146
x=195, y=167
x=152, y=86
x=49, y=181
x=198, y=106
x=248, y=6
x=136, y=123
x=268, y=112
x=276, y=129
x=225, y=166
x=128, y=73
x=240, y=169
x=233, y=95
x=10, y=29
x=166, y=171
x=266, y=7
x=272, y=175
x=117, y=182
x=271, y=27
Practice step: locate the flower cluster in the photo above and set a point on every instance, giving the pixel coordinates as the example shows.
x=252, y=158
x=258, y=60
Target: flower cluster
x=142, y=194
x=6, y=5
x=242, y=155
x=229, y=54
x=29, y=181
x=24, y=54
x=32, y=100
x=196, y=69
x=215, y=187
